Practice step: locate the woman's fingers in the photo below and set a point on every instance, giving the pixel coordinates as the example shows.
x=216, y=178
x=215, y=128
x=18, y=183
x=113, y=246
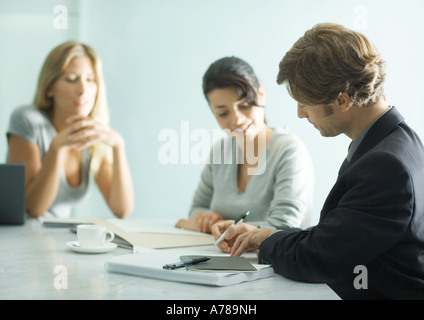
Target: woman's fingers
x=84, y=132
x=205, y=219
x=78, y=123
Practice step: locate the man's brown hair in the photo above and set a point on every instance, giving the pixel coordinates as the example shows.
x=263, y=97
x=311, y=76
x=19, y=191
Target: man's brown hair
x=329, y=60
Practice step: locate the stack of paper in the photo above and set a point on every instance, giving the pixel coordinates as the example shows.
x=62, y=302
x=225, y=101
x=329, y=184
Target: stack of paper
x=150, y=265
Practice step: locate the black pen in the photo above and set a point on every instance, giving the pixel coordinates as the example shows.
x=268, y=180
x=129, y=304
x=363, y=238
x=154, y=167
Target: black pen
x=181, y=264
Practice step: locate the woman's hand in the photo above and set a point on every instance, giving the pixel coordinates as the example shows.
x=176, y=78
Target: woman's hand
x=201, y=221
x=84, y=132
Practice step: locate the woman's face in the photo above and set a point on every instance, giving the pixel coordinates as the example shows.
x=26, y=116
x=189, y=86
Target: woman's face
x=74, y=92
x=236, y=114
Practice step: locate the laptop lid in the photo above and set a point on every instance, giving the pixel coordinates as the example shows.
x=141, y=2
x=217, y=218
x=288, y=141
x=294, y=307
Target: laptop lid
x=12, y=193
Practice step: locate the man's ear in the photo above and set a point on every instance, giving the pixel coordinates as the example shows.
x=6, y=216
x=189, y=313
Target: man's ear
x=344, y=102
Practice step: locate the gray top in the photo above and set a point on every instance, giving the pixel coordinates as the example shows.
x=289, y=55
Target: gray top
x=280, y=195
x=34, y=126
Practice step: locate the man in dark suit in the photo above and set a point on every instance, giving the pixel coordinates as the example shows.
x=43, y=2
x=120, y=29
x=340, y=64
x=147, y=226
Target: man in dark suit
x=369, y=242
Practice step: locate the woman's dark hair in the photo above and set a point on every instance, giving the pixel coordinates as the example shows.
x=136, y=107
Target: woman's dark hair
x=232, y=72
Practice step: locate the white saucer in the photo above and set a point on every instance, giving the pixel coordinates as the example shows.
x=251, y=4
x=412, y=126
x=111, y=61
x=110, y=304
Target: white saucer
x=75, y=246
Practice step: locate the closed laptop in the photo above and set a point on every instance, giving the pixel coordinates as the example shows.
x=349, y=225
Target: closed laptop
x=12, y=193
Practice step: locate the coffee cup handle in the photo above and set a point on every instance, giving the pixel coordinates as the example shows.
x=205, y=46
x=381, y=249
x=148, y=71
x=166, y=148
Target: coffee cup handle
x=111, y=236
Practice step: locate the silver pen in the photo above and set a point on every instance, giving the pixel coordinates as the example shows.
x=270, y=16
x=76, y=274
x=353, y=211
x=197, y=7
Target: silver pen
x=236, y=222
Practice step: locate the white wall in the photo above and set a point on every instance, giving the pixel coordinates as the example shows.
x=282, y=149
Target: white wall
x=155, y=54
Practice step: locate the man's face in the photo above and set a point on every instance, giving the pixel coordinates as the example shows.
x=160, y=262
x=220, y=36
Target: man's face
x=326, y=119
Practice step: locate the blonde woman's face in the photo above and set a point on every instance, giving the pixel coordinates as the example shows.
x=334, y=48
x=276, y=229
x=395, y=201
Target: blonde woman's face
x=74, y=92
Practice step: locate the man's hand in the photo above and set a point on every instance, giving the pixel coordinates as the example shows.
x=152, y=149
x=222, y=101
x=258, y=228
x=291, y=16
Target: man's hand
x=232, y=234
x=249, y=241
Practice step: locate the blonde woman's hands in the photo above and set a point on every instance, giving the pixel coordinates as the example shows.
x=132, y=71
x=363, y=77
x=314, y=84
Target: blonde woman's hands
x=201, y=221
x=83, y=132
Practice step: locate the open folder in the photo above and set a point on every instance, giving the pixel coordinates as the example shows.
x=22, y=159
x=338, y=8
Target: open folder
x=151, y=237
x=130, y=233
x=150, y=265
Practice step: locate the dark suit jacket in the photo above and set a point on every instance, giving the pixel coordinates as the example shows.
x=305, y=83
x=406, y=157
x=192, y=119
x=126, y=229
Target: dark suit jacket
x=373, y=216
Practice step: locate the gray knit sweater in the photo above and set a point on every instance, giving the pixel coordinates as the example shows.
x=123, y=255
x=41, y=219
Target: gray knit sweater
x=281, y=196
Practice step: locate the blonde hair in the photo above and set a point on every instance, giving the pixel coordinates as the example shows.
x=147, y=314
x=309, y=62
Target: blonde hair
x=329, y=60
x=53, y=67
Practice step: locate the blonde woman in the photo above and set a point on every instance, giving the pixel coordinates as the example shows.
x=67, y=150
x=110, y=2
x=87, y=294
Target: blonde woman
x=65, y=135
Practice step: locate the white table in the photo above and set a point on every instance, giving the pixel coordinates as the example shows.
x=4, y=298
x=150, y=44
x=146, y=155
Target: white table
x=30, y=255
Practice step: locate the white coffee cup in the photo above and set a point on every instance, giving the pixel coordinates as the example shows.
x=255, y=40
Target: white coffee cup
x=93, y=236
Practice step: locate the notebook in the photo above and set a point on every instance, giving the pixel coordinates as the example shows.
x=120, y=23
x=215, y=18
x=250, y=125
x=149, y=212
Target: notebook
x=54, y=222
x=219, y=264
x=144, y=233
x=150, y=265
x=154, y=239
x=12, y=193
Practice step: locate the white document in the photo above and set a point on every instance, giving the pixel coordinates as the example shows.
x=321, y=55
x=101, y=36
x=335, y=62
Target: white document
x=150, y=265
x=151, y=226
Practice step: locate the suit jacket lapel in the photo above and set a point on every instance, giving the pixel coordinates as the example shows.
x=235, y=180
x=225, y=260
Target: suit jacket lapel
x=343, y=167
x=377, y=132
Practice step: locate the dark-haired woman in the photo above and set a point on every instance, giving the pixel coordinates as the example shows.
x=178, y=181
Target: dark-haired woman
x=265, y=171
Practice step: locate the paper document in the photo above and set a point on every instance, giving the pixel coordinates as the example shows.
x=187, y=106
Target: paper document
x=147, y=235
x=150, y=226
x=150, y=265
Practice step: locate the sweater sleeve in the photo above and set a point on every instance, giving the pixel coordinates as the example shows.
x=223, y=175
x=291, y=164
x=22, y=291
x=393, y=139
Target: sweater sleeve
x=204, y=192
x=293, y=188
x=23, y=122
